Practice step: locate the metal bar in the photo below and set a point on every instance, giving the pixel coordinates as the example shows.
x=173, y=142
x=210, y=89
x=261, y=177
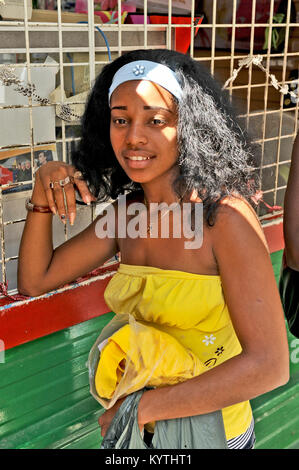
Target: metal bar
x=33, y=26
x=270, y=111
x=16, y=221
x=213, y=37
x=286, y=44
x=119, y=28
x=73, y=27
x=233, y=44
x=145, y=23
x=91, y=42
x=266, y=88
x=126, y=48
x=61, y=73
x=27, y=43
x=169, y=30
x=84, y=49
x=236, y=87
x=192, y=30
x=253, y=11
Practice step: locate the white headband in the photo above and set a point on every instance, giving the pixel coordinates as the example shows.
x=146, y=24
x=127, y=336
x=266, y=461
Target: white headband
x=147, y=70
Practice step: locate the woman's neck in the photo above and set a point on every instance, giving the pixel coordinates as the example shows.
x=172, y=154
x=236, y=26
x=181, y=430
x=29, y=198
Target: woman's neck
x=161, y=191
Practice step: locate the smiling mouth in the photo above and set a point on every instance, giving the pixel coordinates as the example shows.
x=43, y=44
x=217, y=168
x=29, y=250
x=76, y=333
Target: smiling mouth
x=138, y=158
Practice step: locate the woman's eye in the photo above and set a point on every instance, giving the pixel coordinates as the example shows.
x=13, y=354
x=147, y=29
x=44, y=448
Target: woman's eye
x=157, y=122
x=119, y=121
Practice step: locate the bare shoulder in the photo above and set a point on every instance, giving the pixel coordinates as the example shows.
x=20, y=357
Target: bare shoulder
x=236, y=217
x=234, y=206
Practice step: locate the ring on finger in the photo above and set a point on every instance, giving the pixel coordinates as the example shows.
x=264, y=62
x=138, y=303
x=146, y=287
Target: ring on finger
x=68, y=179
x=52, y=184
x=63, y=182
x=78, y=175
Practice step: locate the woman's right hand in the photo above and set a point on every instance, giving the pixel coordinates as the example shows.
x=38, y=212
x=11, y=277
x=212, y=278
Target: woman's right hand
x=61, y=199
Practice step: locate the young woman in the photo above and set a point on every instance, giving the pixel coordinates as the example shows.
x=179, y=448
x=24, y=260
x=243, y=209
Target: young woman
x=158, y=128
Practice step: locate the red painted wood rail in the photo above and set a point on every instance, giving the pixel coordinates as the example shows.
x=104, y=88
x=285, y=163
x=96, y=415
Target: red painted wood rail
x=29, y=319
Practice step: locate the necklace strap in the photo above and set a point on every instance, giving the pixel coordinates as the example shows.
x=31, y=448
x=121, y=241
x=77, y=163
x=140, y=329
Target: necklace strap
x=147, y=203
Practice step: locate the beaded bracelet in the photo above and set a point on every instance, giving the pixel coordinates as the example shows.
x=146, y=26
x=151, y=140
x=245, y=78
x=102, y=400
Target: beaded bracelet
x=33, y=208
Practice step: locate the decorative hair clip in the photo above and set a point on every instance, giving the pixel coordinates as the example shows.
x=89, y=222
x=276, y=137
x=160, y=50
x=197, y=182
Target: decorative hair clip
x=138, y=69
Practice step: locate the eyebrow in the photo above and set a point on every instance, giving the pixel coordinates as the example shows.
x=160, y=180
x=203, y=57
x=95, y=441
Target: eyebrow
x=144, y=107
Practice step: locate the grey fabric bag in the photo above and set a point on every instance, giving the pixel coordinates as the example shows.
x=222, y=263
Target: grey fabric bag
x=195, y=432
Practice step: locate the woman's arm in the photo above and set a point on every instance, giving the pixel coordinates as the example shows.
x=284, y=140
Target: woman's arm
x=41, y=268
x=252, y=297
x=291, y=211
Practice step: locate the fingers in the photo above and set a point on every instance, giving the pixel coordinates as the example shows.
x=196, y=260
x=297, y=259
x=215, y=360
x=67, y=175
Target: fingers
x=58, y=180
x=104, y=426
x=61, y=201
x=82, y=187
x=71, y=202
x=85, y=194
x=104, y=430
x=105, y=419
x=64, y=195
x=51, y=200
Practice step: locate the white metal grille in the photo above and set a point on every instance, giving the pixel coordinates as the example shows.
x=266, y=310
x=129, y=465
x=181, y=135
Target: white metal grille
x=78, y=51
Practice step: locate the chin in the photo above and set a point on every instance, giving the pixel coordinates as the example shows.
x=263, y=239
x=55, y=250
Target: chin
x=140, y=178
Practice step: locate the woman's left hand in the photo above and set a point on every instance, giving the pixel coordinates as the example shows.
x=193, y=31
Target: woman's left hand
x=106, y=418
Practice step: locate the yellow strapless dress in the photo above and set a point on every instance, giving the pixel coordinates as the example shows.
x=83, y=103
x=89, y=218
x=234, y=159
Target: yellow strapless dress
x=190, y=309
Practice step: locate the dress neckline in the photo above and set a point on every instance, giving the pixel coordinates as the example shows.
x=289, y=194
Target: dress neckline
x=143, y=269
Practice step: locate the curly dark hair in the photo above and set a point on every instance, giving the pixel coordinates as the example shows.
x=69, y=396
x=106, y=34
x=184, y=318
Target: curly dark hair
x=216, y=157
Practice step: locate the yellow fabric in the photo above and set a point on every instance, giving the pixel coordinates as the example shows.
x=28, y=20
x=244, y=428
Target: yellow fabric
x=189, y=307
x=157, y=359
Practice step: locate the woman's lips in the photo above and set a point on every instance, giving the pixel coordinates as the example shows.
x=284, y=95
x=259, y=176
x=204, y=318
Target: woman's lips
x=138, y=161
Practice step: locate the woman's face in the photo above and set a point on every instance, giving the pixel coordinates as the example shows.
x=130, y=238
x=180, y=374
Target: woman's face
x=143, y=130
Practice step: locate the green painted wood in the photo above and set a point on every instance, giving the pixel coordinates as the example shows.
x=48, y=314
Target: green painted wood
x=44, y=391
x=45, y=401
x=277, y=413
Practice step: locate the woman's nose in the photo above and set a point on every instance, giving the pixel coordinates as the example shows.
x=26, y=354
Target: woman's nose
x=136, y=135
